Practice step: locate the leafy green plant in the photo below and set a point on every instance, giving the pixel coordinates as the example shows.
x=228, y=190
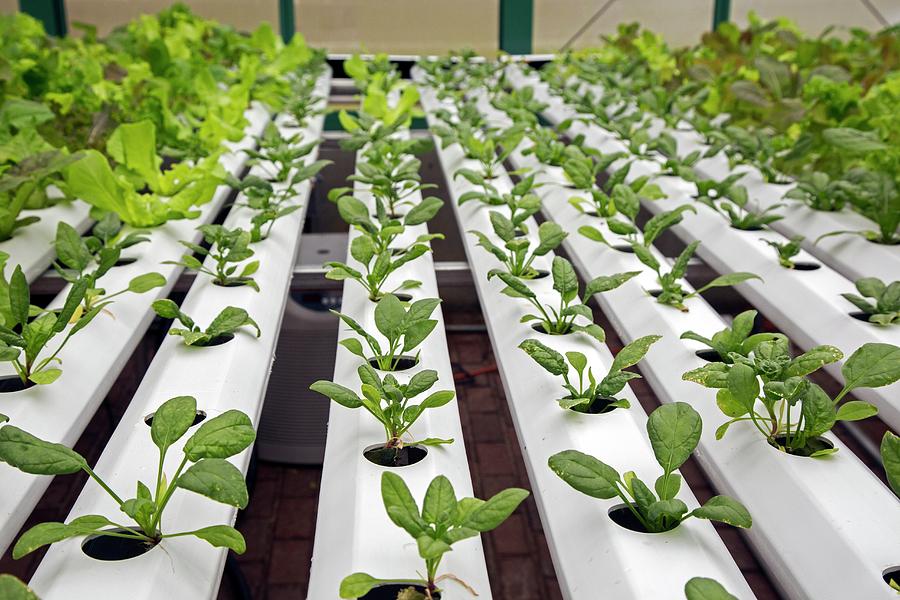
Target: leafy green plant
x=672, y=293
x=515, y=254
x=875, y=195
x=382, y=229
x=890, y=457
x=674, y=431
x=672, y=163
x=220, y=330
x=629, y=230
x=377, y=120
x=74, y=257
x=521, y=201
x=738, y=339
x=207, y=474
x=21, y=182
x=403, y=328
x=704, y=588
x=390, y=173
x=786, y=250
x=389, y=402
x=26, y=330
x=770, y=377
x=227, y=248
x=560, y=319
x=734, y=206
x=278, y=157
x=443, y=521
x=591, y=395
x=818, y=191
x=12, y=588
x=886, y=307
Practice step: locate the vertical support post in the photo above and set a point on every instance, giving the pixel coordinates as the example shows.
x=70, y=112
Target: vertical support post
x=286, y=19
x=721, y=12
x=51, y=12
x=516, y=26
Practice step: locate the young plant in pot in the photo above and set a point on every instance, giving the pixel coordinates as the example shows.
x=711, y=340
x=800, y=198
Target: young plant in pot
x=738, y=339
x=378, y=266
x=227, y=248
x=26, y=330
x=515, y=255
x=671, y=292
x=390, y=402
x=203, y=469
x=220, y=330
x=884, y=307
x=674, y=432
x=771, y=390
x=786, y=250
x=74, y=258
x=443, y=521
x=591, y=396
x=383, y=230
x=404, y=329
x=560, y=319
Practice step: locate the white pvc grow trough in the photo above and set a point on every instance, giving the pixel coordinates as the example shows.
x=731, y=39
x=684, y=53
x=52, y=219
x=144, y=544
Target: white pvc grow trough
x=783, y=295
x=92, y=360
x=32, y=246
x=592, y=555
x=224, y=377
x=850, y=255
x=824, y=528
x=353, y=531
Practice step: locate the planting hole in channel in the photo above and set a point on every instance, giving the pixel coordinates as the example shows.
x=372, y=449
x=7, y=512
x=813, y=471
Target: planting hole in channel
x=622, y=516
x=199, y=416
x=538, y=327
x=403, y=362
x=390, y=591
x=220, y=339
x=403, y=297
x=752, y=228
x=110, y=548
x=395, y=457
x=709, y=355
x=541, y=273
x=891, y=574
x=623, y=248
x=600, y=406
x=806, y=266
x=233, y=283
x=860, y=316
x=14, y=383
x=655, y=293
x=125, y=261
x=813, y=445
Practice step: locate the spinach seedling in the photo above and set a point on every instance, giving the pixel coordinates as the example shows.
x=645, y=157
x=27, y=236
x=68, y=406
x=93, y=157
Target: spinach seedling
x=220, y=330
x=770, y=377
x=591, y=396
x=443, y=521
x=704, y=588
x=875, y=195
x=26, y=330
x=378, y=266
x=711, y=190
x=629, y=230
x=674, y=431
x=207, y=474
x=514, y=255
x=672, y=293
x=786, y=250
x=277, y=156
x=560, y=319
x=391, y=175
x=818, y=191
x=521, y=200
x=389, y=402
x=404, y=329
x=734, y=206
x=227, y=247
x=672, y=163
x=886, y=307
x=74, y=257
x=383, y=229
x=737, y=339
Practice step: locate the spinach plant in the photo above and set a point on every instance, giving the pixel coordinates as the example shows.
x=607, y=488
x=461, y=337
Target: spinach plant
x=202, y=470
x=403, y=328
x=886, y=307
x=515, y=254
x=26, y=331
x=629, y=230
x=770, y=377
x=672, y=293
x=786, y=250
x=818, y=191
x=443, y=521
x=738, y=339
x=560, y=319
x=734, y=206
x=674, y=431
x=75, y=255
x=521, y=201
x=704, y=588
x=220, y=330
x=278, y=156
x=591, y=396
x=389, y=402
x=875, y=196
x=227, y=248
x=391, y=173
x=21, y=182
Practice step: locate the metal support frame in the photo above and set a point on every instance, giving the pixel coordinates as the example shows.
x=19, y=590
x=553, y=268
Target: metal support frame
x=721, y=12
x=286, y=19
x=51, y=12
x=516, y=26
